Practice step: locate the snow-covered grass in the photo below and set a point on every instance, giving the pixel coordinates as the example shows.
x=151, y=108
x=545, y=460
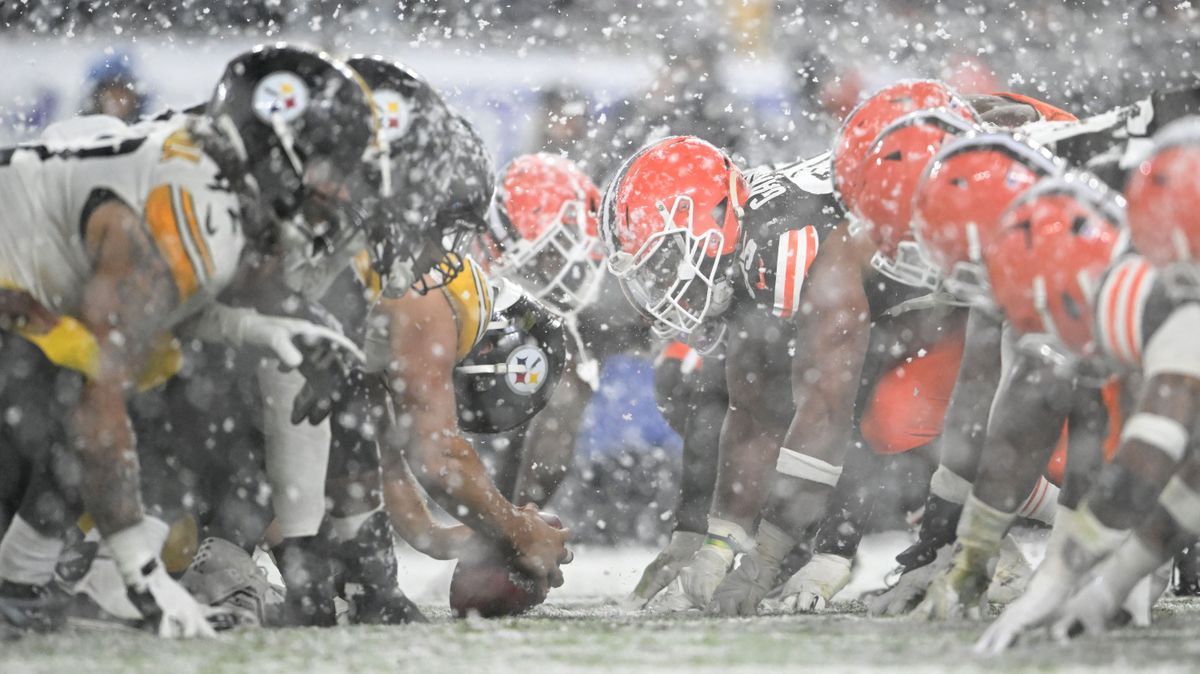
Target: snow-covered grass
x=582, y=629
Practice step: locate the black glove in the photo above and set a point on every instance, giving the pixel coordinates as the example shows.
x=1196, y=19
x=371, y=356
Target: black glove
x=938, y=528
x=328, y=372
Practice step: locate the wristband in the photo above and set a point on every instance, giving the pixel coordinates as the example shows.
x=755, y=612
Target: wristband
x=135, y=549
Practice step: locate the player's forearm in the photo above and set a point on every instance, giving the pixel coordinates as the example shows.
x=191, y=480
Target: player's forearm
x=109, y=484
x=1153, y=442
x=745, y=470
x=1025, y=428
x=405, y=502
x=966, y=421
x=457, y=479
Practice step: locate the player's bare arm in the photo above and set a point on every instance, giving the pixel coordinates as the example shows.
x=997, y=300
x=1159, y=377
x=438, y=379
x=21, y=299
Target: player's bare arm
x=831, y=344
x=124, y=305
x=441, y=457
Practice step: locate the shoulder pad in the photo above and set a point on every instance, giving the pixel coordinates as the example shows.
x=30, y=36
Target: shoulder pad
x=813, y=175
x=471, y=298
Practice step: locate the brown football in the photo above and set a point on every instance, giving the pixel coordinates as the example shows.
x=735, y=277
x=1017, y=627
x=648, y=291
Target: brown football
x=488, y=584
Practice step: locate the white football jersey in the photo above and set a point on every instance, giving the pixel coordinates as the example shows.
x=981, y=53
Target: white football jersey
x=50, y=187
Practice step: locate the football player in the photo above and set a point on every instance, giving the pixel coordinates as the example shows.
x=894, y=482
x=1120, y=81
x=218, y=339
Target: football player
x=441, y=185
x=706, y=242
x=116, y=238
x=1142, y=313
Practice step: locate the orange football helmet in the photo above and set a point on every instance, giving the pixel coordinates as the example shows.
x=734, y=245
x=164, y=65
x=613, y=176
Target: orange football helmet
x=960, y=198
x=888, y=179
x=1164, y=206
x=1054, y=244
x=670, y=226
x=864, y=123
x=544, y=230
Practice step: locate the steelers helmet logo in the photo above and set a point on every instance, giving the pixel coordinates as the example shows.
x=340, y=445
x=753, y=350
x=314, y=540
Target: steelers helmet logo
x=281, y=93
x=395, y=114
x=527, y=370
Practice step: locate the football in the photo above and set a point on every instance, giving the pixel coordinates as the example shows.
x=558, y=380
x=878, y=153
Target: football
x=488, y=584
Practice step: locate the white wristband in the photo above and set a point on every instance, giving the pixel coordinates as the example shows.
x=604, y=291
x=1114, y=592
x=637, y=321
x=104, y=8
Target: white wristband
x=1183, y=503
x=134, y=547
x=949, y=485
x=1164, y=433
x=805, y=467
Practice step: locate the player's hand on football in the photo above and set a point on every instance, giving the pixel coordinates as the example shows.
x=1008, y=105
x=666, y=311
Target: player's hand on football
x=540, y=548
x=699, y=578
x=815, y=585
x=665, y=567
x=910, y=589
x=740, y=593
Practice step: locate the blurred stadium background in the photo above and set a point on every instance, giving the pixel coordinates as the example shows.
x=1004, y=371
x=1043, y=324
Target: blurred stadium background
x=592, y=77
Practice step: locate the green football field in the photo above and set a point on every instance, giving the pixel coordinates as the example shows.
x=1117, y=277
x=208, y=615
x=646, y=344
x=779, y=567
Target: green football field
x=582, y=629
x=588, y=637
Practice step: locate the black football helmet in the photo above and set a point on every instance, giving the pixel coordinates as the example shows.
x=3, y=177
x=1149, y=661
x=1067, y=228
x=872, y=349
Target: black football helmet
x=304, y=121
x=511, y=373
x=436, y=176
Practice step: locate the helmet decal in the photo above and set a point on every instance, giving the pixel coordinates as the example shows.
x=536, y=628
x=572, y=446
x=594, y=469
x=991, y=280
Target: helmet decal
x=281, y=93
x=395, y=114
x=527, y=367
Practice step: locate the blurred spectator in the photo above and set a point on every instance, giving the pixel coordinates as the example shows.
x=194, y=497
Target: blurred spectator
x=26, y=118
x=114, y=88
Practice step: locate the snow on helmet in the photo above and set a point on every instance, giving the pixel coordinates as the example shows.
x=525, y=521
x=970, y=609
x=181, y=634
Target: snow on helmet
x=865, y=121
x=888, y=180
x=1054, y=244
x=543, y=229
x=670, y=228
x=509, y=376
x=961, y=196
x=1164, y=206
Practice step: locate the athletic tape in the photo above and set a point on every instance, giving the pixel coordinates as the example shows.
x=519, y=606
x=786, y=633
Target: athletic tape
x=1170, y=350
x=1164, y=433
x=949, y=485
x=1183, y=503
x=805, y=467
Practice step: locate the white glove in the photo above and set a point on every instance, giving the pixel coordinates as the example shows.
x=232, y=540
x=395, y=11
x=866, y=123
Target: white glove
x=1111, y=584
x=910, y=589
x=1049, y=588
x=1012, y=574
x=161, y=601
x=743, y=590
x=665, y=567
x=813, y=586
x=239, y=326
x=698, y=580
x=1087, y=612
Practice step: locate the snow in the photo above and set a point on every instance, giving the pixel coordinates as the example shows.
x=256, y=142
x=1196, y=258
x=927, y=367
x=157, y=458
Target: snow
x=582, y=629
